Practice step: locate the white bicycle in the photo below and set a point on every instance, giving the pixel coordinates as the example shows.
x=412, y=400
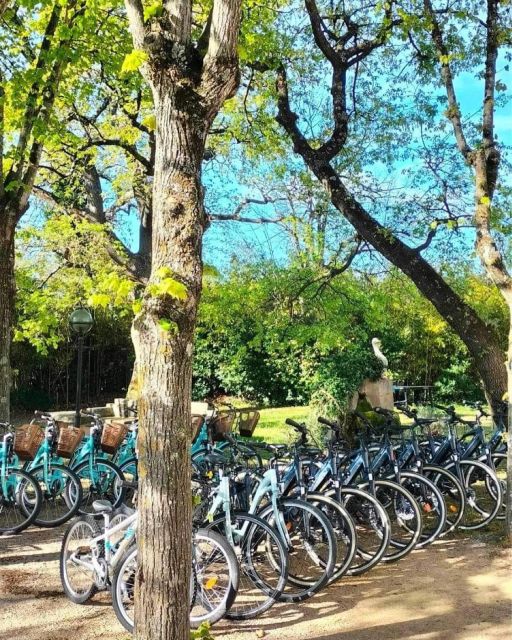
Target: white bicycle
x=99, y=552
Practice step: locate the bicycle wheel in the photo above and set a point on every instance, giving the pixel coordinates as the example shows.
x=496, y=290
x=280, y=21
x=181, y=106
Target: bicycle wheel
x=453, y=495
x=102, y=482
x=404, y=516
x=20, y=501
x=432, y=505
x=130, y=472
x=499, y=466
x=214, y=581
x=483, y=493
x=344, y=529
x=216, y=574
x=123, y=588
x=373, y=528
x=263, y=562
x=76, y=569
x=311, y=545
x=62, y=494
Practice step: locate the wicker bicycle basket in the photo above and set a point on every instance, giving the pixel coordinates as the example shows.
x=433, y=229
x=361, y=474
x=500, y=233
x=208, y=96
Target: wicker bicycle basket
x=68, y=441
x=222, y=424
x=27, y=439
x=197, y=423
x=247, y=422
x=112, y=436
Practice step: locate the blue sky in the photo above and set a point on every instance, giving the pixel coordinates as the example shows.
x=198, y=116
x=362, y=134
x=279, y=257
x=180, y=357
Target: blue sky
x=252, y=241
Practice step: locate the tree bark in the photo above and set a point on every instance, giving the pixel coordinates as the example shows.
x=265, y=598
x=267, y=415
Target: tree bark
x=165, y=333
x=7, y=293
x=189, y=87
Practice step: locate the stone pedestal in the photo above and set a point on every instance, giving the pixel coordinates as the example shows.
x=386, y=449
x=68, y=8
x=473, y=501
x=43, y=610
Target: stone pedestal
x=379, y=393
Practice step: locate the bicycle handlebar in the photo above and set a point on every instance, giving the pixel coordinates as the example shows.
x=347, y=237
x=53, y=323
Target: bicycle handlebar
x=449, y=410
x=296, y=425
x=329, y=423
x=383, y=412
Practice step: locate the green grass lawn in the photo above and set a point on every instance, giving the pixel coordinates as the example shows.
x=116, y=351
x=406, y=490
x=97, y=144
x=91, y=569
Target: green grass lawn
x=272, y=428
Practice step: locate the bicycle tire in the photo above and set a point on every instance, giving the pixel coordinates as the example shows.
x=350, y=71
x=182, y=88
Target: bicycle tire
x=71, y=499
x=23, y=497
x=112, y=489
x=453, y=494
x=372, y=527
x=90, y=528
x=433, y=507
x=301, y=587
x=475, y=515
x=344, y=529
x=258, y=541
x=398, y=510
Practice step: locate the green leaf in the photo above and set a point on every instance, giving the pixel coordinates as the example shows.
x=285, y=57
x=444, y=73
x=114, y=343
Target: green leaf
x=154, y=10
x=171, y=287
x=165, y=324
x=485, y=200
x=166, y=285
x=132, y=61
x=99, y=300
x=150, y=122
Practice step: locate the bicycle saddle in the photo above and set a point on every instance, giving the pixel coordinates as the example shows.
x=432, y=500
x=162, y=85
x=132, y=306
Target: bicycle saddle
x=102, y=506
x=215, y=458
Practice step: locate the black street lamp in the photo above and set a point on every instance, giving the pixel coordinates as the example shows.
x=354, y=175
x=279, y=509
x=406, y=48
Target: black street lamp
x=81, y=322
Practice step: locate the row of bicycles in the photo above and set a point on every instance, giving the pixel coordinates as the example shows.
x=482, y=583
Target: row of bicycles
x=277, y=523
x=50, y=472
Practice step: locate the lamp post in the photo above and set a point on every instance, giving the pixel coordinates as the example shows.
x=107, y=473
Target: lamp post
x=81, y=322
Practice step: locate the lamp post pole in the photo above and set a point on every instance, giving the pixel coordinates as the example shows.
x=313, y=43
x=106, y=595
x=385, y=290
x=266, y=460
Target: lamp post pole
x=81, y=322
x=78, y=399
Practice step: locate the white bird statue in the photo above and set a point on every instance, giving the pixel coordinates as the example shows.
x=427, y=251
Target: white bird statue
x=376, y=344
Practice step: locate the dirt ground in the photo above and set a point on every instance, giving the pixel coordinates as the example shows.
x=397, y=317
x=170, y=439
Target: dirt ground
x=459, y=589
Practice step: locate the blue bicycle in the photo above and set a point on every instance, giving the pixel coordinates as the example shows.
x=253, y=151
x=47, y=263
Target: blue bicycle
x=60, y=486
x=20, y=495
x=100, y=478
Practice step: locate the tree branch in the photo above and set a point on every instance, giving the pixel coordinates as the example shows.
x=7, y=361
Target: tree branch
x=135, y=13
x=288, y=118
x=34, y=93
x=180, y=18
x=225, y=25
x=491, y=55
x=116, y=142
x=453, y=112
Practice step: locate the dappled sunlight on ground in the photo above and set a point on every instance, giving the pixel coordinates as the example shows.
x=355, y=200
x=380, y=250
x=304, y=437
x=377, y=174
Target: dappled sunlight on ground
x=458, y=589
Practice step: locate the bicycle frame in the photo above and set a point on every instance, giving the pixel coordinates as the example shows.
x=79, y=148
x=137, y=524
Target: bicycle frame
x=89, y=451
x=267, y=485
x=6, y=463
x=100, y=569
x=45, y=455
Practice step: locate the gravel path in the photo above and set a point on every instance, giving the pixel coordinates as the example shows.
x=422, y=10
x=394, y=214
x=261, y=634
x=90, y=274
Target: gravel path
x=456, y=590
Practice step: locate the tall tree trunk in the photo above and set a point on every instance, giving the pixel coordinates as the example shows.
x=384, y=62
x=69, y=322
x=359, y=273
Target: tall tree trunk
x=7, y=293
x=164, y=333
x=190, y=83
